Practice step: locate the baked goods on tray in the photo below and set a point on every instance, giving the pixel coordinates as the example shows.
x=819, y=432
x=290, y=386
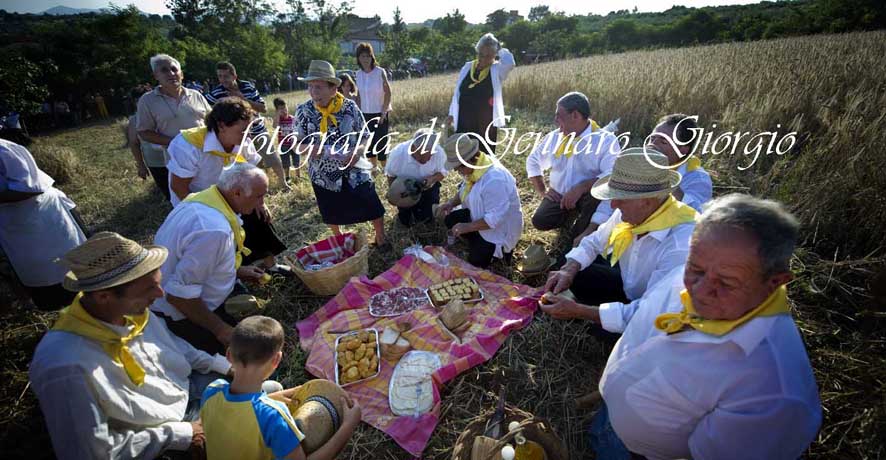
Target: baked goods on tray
x=464, y=289
x=356, y=356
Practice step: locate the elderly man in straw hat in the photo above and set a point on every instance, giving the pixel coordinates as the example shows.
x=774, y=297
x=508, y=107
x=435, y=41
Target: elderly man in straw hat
x=423, y=161
x=711, y=365
x=578, y=152
x=646, y=236
x=205, y=238
x=491, y=217
x=111, y=379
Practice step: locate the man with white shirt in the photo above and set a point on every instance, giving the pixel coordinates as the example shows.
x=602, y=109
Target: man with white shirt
x=646, y=237
x=111, y=379
x=578, y=153
x=675, y=136
x=421, y=159
x=711, y=364
x=205, y=239
x=163, y=113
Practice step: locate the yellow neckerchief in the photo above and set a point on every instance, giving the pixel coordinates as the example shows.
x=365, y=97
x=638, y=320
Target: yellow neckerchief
x=483, y=74
x=197, y=137
x=569, y=147
x=775, y=304
x=213, y=198
x=671, y=213
x=327, y=112
x=76, y=320
x=483, y=165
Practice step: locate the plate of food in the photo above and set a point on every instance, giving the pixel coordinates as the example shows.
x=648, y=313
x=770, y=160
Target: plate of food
x=397, y=301
x=356, y=356
x=465, y=289
x=411, y=390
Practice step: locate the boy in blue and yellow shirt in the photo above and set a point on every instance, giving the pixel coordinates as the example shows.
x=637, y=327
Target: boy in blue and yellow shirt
x=241, y=421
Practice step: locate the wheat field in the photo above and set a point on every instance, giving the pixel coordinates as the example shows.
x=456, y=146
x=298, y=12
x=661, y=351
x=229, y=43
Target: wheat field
x=830, y=90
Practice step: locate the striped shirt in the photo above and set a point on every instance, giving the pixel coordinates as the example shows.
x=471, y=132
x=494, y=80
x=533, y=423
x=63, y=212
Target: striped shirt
x=250, y=93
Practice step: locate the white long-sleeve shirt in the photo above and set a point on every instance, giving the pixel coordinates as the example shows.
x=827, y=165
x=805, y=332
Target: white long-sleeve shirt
x=203, y=168
x=643, y=263
x=92, y=408
x=498, y=73
x=749, y=394
x=595, y=153
x=494, y=199
x=201, y=261
x=697, y=187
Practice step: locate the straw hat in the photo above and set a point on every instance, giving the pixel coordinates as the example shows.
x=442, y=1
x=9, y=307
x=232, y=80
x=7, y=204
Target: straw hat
x=535, y=260
x=424, y=137
x=321, y=70
x=404, y=192
x=107, y=260
x=460, y=148
x=317, y=410
x=639, y=172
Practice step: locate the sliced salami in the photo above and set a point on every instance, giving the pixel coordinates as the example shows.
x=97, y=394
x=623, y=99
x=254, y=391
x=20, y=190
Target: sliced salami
x=397, y=301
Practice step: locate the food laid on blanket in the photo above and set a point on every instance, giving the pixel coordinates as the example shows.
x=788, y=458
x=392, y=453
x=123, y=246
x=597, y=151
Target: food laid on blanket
x=454, y=314
x=356, y=356
x=411, y=391
x=392, y=342
x=397, y=301
x=465, y=289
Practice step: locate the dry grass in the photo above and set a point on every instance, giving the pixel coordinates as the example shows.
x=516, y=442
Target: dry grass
x=829, y=88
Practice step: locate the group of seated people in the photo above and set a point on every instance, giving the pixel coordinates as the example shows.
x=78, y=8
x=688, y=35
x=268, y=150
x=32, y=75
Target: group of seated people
x=709, y=363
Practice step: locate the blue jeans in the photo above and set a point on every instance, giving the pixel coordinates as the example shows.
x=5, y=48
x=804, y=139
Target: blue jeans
x=603, y=440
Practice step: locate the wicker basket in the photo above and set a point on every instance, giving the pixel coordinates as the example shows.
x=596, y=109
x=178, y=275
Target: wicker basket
x=331, y=280
x=534, y=429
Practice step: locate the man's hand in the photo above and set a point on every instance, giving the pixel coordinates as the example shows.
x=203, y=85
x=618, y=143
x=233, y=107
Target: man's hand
x=445, y=208
x=563, y=308
x=553, y=195
x=449, y=121
x=142, y=172
x=352, y=412
x=250, y=273
x=224, y=335
x=197, y=448
x=460, y=229
x=570, y=199
x=592, y=227
x=560, y=280
x=263, y=213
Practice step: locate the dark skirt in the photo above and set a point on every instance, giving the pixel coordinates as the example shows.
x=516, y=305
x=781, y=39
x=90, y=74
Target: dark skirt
x=261, y=239
x=380, y=140
x=350, y=205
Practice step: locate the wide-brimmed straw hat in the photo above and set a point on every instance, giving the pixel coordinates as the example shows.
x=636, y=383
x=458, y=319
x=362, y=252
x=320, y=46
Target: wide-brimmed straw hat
x=460, y=148
x=321, y=70
x=639, y=172
x=535, y=260
x=317, y=409
x=107, y=260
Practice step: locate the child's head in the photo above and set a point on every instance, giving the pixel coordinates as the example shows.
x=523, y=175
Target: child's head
x=257, y=342
x=279, y=105
x=347, y=86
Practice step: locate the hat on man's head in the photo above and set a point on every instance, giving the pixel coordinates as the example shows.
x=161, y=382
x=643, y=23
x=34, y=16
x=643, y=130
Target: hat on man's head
x=460, y=148
x=317, y=409
x=639, y=172
x=321, y=70
x=404, y=192
x=107, y=260
x=425, y=137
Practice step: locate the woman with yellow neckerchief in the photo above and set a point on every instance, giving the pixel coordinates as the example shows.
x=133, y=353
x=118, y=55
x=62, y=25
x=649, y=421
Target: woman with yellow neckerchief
x=477, y=104
x=490, y=218
x=328, y=128
x=711, y=364
x=645, y=237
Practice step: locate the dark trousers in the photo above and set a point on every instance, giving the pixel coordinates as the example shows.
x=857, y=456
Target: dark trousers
x=379, y=144
x=600, y=283
x=549, y=216
x=261, y=239
x=480, y=251
x=423, y=210
x=196, y=335
x=49, y=298
x=161, y=178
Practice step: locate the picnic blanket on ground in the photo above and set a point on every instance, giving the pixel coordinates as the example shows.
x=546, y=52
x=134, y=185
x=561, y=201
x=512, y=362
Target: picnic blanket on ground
x=506, y=307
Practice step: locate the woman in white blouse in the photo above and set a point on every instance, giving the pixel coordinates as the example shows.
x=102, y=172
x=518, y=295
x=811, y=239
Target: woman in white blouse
x=477, y=105
x=490, y=218
x=374, y=100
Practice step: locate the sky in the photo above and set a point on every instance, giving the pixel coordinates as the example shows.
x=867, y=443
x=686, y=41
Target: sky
x=411, y=10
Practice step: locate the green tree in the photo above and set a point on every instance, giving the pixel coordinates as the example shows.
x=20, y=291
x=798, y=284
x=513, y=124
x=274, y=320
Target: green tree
x=398, y=44
x=451, y=24
x=518, y=36
x=537, y=13
x=21, y=87
x=498, y=19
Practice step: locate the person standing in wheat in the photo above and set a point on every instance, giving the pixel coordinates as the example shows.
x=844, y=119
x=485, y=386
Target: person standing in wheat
x=374, y=99
x=477, y=104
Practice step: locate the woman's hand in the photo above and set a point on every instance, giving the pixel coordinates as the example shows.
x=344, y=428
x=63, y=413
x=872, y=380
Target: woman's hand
x=142, y=172
x=445, y=209
x=250, y=273
x=264, y=213
x=461, y=228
